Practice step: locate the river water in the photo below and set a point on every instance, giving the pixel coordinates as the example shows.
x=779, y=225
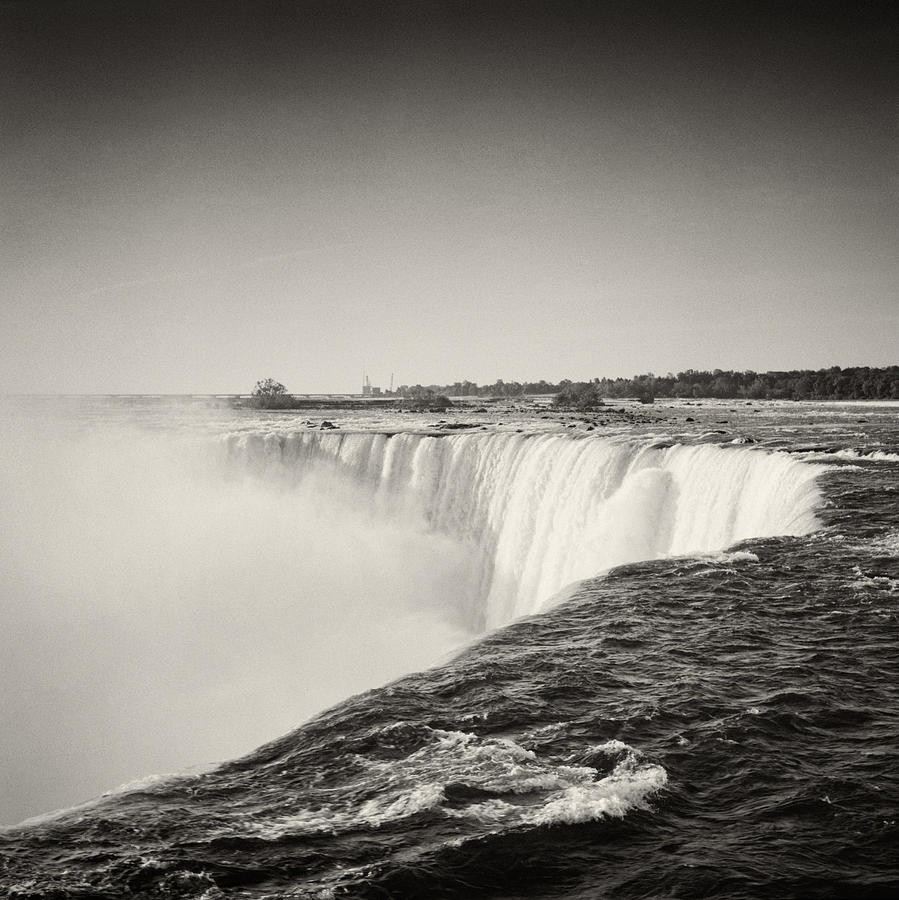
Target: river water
x=662, y=652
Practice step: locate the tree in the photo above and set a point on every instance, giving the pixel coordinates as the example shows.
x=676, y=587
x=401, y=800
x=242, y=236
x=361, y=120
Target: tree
x=584, y=396
x=421, y=399
x=271, y=394
x=269, y=388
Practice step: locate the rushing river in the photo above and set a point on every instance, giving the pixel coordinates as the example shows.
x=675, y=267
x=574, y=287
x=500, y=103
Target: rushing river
x=663, y=657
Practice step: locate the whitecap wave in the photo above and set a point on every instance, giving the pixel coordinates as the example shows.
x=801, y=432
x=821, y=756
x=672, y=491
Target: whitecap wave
x=483, y=780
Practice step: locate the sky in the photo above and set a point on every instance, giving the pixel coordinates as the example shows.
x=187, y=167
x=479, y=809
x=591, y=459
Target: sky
x=197, y=196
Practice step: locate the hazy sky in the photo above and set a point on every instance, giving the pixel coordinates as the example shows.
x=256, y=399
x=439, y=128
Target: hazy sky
x=198, y=195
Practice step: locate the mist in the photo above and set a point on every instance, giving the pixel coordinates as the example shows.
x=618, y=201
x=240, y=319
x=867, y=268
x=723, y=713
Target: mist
x=161, y=613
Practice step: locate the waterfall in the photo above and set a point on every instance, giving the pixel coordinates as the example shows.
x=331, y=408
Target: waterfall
x=546, y=509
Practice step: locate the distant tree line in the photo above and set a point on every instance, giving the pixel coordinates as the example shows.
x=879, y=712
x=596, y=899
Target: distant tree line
x=855, y=383
x=499, y=388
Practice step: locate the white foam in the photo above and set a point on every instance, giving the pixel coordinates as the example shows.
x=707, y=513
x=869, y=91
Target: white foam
x=853, y=454
x=888, y=542
x=529, y=790
x=863, y=581
x=626, y=789
x=734, y=556
x=576, y=794
x=425, y=796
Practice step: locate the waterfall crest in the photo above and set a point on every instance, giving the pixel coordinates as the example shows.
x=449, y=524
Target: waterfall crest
x=545, y=510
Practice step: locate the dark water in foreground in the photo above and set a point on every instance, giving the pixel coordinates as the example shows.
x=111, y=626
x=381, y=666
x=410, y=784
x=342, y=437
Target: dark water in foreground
x=725, y=726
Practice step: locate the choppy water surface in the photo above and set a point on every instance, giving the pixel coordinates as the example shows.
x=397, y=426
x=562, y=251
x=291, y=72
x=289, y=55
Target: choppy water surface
x=716, y=725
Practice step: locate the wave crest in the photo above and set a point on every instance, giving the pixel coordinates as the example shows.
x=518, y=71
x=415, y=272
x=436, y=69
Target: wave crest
x=485, y=780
